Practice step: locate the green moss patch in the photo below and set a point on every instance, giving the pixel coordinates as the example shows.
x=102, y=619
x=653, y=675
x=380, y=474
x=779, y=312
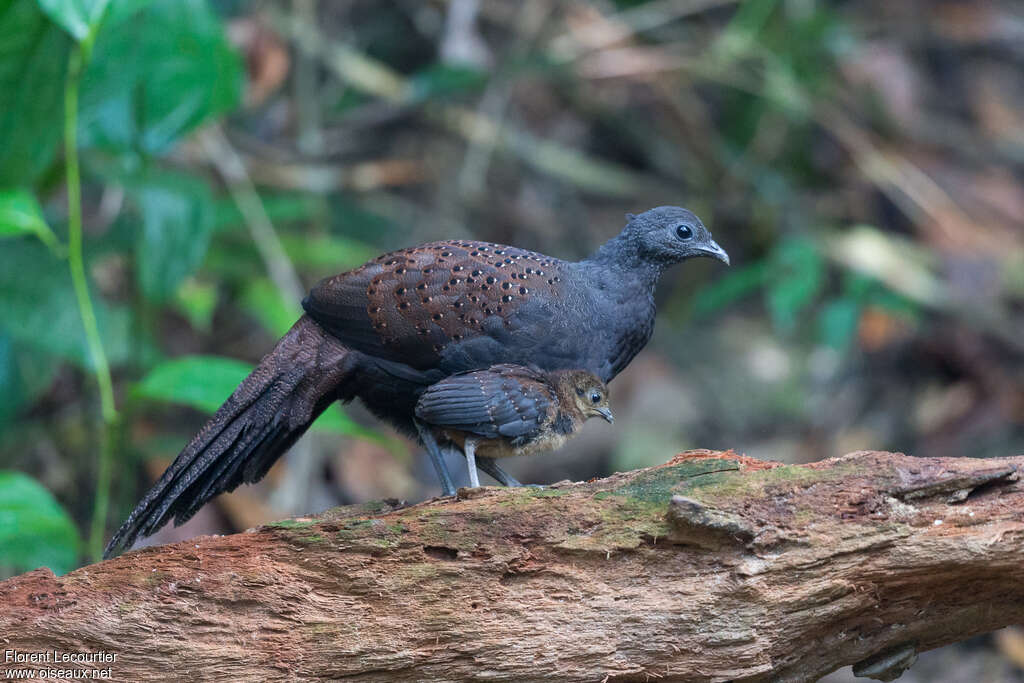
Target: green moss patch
x=292, y=523
x=659, y=484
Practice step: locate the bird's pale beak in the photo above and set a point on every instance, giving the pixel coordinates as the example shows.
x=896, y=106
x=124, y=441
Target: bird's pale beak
x=606, y=413
x=714, y=251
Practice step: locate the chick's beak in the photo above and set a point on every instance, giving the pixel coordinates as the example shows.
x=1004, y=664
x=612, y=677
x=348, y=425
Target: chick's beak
x=606, y=413
x=716, y=252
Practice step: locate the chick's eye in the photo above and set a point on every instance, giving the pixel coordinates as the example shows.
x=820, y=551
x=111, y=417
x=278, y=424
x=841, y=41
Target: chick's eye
x=684, y=232
x=595, y=398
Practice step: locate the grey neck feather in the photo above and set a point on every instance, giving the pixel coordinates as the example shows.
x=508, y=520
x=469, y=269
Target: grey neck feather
x=621, y=254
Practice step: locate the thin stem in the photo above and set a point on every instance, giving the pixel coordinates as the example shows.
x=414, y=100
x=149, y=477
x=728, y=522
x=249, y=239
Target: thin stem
x=232, y=168
x=101, y=368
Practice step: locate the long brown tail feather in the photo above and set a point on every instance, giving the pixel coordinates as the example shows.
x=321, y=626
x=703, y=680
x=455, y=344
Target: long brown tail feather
x=264, y=416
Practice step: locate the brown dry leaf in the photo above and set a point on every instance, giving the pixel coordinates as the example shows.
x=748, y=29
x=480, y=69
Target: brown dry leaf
x=878, y=329
x=312, y=177
x=995, y=105
x=634, y=62
x=985, y=213
x=1010, y=642
x=266, y=57
x=588, y=29
x=973, y=22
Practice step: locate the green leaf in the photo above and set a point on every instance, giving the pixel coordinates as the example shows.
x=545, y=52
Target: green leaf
x=838, y=322
x=40, y=310
x=857, y=285
x=797, y=275
x=445, y=79
x=730, y=288
x=157, y=77
x=177, y=222
x=20, y=214
x=263, y=300
x=78, y=17
x=121, y=10
x=197, y=301
x=334, y=420
x=33, y=60
x=35, y=531
x=281, y=208
x=327, y=251
x=203, y=382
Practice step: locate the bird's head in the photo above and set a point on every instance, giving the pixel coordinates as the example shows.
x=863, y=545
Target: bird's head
x=669, y=234
x=588, y=393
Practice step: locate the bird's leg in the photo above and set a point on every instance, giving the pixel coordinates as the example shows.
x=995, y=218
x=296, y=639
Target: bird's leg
x=501, y=476
x=430, y=443
x=469, y=448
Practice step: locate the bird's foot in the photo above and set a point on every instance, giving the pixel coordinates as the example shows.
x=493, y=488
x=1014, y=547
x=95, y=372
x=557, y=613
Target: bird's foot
x=501, y=476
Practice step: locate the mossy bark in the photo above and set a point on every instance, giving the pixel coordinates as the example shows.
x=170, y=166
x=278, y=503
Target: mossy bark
x=711, y=567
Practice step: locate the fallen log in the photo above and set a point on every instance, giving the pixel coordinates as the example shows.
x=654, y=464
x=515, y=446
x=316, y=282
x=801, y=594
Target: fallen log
x=711, y=567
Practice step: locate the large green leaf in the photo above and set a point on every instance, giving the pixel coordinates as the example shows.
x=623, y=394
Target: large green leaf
x=40, y=310
x=35, y=531
x=78, y=17
x=796, y=277
x=20, y=214
x=204, y=382
x=157, y=76
x=33, y=60
x=177, y=221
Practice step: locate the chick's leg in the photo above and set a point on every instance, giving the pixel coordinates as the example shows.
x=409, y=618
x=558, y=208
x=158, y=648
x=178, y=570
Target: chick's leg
x=469, y=447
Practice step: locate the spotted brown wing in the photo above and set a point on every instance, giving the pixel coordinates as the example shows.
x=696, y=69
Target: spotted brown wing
x=410, y=305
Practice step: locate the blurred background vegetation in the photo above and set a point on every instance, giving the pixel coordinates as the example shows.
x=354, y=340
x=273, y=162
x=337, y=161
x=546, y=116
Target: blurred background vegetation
x=175, y=173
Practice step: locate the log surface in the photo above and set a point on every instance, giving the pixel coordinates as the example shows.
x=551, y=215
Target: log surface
x=711, y=567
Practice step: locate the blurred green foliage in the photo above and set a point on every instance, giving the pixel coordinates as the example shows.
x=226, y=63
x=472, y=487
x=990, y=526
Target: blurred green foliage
x=792, y=280
x=359, y=133
x=35, y=531
x=153, y=72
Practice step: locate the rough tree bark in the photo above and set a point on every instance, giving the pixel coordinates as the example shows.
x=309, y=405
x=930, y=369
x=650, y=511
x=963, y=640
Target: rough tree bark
x=713, y=566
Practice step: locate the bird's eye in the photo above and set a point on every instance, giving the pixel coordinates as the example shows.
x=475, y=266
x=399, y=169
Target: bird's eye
x=595, y=398
x=684, y=232
x=579, y=392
